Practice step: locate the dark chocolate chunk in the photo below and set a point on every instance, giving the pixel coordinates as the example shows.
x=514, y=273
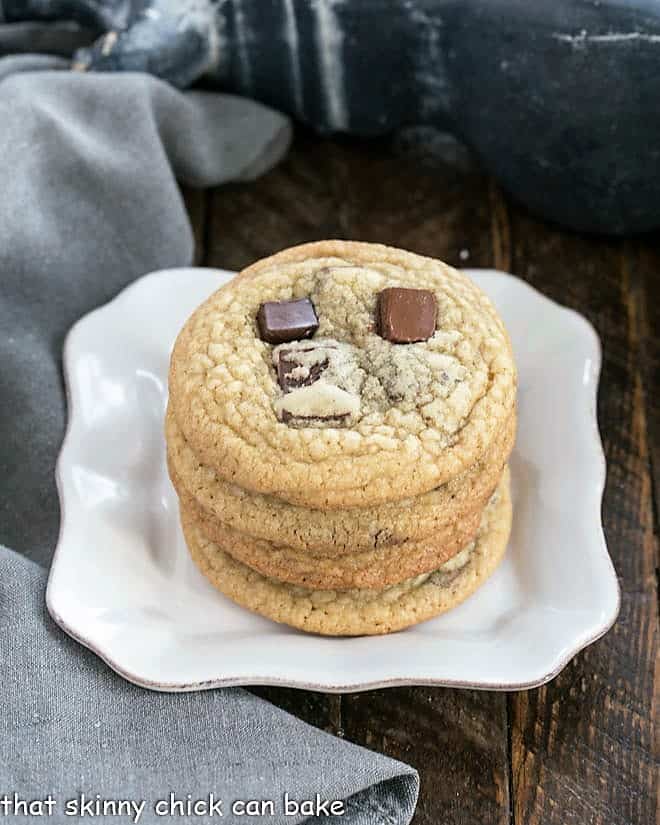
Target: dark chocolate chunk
x=282, y=321
x=302, y=420
x=293, y=373
x=406, y=315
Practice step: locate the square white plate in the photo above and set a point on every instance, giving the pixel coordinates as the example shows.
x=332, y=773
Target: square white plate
x=122, y=582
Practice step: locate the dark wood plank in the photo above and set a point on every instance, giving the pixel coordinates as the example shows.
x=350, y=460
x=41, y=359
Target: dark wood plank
x=500, y=222
x=642, y=260
x=582, y=747
x=323, y=710
x=457, y=740
x=372, y=191
x=389, y=197
x=296, y=202
x=196, y=201
x=362, y=190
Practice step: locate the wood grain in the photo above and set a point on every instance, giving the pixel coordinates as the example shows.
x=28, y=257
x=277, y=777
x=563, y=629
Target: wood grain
x=298, y=201
x=196, y=201
x=580, y=750
x=582, y=747
x=457, y=740
x=642, y=268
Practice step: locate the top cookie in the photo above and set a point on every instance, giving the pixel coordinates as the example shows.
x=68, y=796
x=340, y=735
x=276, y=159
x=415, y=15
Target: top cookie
x=390, y=374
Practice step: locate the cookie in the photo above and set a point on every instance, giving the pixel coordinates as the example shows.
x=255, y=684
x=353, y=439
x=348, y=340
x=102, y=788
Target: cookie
x=334, y=532
x=366, y=569
x=362, y=611
x=363, y=408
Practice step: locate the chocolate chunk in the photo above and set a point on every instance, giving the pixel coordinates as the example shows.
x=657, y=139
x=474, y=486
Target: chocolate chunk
x=406, y=315
x=282, y=321
x=292, y=371
x=304, y=420
x=318, y=403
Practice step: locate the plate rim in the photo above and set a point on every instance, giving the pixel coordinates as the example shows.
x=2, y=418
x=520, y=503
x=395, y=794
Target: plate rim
x=559, y=663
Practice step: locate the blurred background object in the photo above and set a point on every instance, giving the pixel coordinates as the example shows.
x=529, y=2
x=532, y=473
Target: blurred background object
x=558, y=100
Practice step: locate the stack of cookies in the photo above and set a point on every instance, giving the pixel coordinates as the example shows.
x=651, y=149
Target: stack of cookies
x=339, y=424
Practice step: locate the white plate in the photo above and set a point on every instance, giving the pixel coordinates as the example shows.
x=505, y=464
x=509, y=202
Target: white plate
x=122, y=582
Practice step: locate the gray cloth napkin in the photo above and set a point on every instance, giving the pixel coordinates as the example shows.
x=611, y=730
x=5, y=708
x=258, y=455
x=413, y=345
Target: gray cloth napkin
x=89, y=202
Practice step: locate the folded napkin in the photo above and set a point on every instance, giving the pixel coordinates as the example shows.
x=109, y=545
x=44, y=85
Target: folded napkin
x=89, y=202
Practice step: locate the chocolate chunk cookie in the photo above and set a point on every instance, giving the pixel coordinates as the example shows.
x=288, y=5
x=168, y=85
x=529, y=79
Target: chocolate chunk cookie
x=334, y=532
x=359, y=611
x=375, y=404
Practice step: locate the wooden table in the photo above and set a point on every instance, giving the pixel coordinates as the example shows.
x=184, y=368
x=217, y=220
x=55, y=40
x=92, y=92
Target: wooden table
x=581, y=749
